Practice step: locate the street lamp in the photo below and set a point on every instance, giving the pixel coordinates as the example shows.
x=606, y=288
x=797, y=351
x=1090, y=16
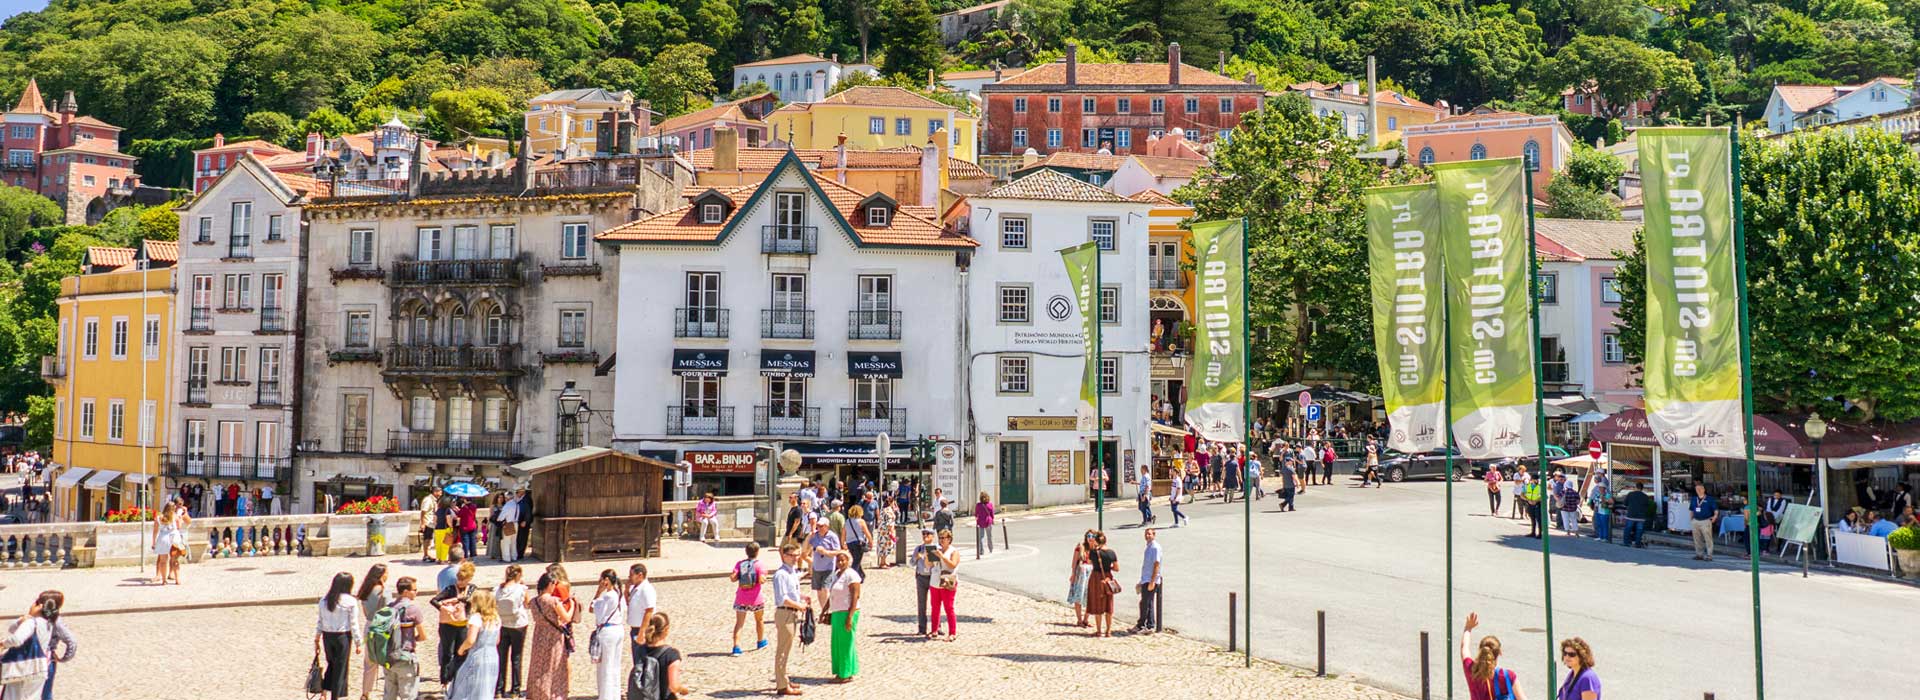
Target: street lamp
x=1816, y=430
x=574, y=411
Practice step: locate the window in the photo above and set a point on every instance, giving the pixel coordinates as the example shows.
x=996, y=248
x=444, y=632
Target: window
x=573, y=241
x=120, y=338
x=197, y=443
x=1053, y=104
x=420, y=417
x=1053, y=138
x=700, y=396
x=872, y=397
x=1193, y=105
x=1226, y=105
x=876, y=125
x=1611, y=351
x=90, y=339
x=1110, y=305
x=359, y=329
x=1156, y=133
x=1087, y=105
x=1123, y=138
x=493, y=414
x=272, y=287
x=1158, y=105
x=1393, y=123
x=233, y=364
x=1549, y=287
x=1123, y=105
x=1014, y=303
x=902, y=126
x=493, y=326
x=270, y=365
x=240, y=227
x=22, y=131
x=87, y=179
x=786, y=396
x=1013, y=232
x=1609, y=290
x=1479, y=152
x=360, y=247
x=500, y=241
x=573, y=328
x=1360, y=125
x=1089, y=138
x=150, y=342
x=874, y=293
x=1102, y=233
x=266, y=441
x=711, y=213
x=1019, y=105
x=779, y=82
x=1019, y=138
x=466, y=242
x=1014, y=373
x=429, y=244
x=197, y=366
x=1110, y=375
x=1531, y=152
x=1579, y=99
x=274, y=228
x=935, y=125
x=116, y=420
x=353, y=422
x=876, y=216
x=86, y=419
x=459, y=421
x=239, y=291
x=1426, y=157
x=147, y=411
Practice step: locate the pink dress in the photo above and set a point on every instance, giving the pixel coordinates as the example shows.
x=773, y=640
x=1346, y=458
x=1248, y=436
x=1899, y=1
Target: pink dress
x=754, y=597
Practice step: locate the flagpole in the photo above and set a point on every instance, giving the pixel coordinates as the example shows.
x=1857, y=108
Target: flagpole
x=1099, y=396
x=1746, y=406
x=1540, y=428
x=1246, y=445
x=1446, y=382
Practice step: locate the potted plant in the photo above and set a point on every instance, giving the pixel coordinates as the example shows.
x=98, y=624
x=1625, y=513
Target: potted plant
x=1906, y=549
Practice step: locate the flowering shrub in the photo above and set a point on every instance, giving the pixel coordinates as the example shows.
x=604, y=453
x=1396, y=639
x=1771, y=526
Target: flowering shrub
x=129, y=515
x=371, y=506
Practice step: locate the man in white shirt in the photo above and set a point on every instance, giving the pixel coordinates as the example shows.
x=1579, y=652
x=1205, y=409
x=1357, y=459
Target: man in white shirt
x=788, y=603
x=641, y=603
x=510, y=529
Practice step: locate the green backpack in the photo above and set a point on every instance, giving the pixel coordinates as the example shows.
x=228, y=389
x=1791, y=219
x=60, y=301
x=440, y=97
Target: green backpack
x=380, y=637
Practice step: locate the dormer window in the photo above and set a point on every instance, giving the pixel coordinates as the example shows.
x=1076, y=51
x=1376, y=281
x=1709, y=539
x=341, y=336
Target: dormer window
x=712, y=213
x=711, y=207
x=877, y=216
x=878, y=210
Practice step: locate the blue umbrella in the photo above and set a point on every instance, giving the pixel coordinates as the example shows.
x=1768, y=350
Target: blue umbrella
x=465, y=489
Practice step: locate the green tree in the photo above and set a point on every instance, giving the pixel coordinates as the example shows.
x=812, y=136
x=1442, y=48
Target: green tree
x=153, y=82
x=1829, y=275
x=517, y=78
x=470, y=112
x=620, y=74
x=22, y=209
x=646, y=27
x=677, y=76
x=1595, y=169
x=311, y=61
x=1619, y=72
x=276, y=127
x=326, y=122
x=911, y=38
x=1307, y=237
x=1571, y=200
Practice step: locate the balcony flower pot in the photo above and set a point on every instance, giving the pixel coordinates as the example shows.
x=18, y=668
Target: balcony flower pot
x=1906, y=550
x=376, y=537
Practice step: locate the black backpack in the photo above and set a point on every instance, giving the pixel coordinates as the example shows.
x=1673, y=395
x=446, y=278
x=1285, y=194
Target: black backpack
x=645, y=680
x=807, y=628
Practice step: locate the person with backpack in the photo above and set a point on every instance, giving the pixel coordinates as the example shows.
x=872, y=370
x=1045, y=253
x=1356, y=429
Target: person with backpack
x=373, y=601
x=391, y=637
x=23, y=651
x=1485, y=679
x=62, y=649
x=656, y=671
x=749, y=596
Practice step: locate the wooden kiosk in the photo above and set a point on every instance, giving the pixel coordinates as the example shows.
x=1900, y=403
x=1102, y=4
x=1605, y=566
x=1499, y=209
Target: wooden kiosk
x=594, y=503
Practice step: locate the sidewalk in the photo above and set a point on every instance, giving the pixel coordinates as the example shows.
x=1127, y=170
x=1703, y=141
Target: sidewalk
x=251, y=581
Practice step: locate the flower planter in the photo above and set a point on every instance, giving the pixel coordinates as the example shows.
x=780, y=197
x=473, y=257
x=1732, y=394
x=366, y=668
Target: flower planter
x=376, y=537
x=318, y=546
x=83, y=556
x=196, y=551
x=1909, y=562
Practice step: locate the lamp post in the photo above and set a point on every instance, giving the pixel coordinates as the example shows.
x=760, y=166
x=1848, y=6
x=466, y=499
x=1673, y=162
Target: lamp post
x=1816, y=429
x=574, y=412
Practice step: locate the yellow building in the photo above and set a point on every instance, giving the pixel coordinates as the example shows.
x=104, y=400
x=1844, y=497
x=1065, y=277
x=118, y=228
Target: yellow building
x=874, y=118
x=1398, y=111
x=576, y=118
x=1170, y=306
x=111, y=385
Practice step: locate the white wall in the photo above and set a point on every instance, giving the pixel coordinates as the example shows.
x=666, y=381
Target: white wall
x=1054, y=345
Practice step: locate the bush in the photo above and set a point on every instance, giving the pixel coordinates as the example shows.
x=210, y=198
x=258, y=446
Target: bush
x=1906, y=539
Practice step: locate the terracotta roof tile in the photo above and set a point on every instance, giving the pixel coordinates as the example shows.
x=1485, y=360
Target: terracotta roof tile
x=728, y=111
x=30, y=100
x=90, y=121
x=293, y=159
x=1163, y=166
x=911, y=226
x=962, y=170
x=1485, y=115
x=1590, y=240
x=254, y=145
x=304, y=184
x=1137, y=74
x=162, y=251
x=105, y=147
x=783, y=60
x=1051, y=185
x=356, y=202
x=1079, y=161
x=104, y=256
x=1155, y=198
x=882, y=96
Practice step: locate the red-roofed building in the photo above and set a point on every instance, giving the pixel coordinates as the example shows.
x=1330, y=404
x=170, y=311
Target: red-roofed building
x=210, y=163
x=1586, y=100
x=73, y=160
x=1084, y=107
x=1489, y=133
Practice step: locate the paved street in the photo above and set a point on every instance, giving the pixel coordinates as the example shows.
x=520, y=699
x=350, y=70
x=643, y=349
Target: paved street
x=1661, y=624
x=1008, y=646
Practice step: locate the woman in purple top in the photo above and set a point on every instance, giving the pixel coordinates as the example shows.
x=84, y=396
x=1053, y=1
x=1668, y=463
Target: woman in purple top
x=983, y=524
x=1583, y=683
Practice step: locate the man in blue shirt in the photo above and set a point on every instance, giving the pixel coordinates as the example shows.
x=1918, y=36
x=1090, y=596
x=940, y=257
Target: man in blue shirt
x=788, y=605
x=1149, y=586
x=1704, y=510
x=1880, y=527
x=823, y=546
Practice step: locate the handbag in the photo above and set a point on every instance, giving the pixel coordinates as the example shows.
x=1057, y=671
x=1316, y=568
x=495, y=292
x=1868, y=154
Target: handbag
x=316, y=682
x=19, y=658
x=949, y=581
x=1113, y=587
x=807, y=628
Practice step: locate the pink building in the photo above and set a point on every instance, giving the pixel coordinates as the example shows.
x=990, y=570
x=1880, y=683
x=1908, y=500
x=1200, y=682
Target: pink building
x=694, y=130
x=210, y=163
x=71, y=159
x=1585, y=101
x=1579, y=301
x=1487, y=133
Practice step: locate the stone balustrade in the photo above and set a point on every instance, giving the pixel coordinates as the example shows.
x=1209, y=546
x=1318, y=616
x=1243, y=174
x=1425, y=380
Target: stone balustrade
x=46, y=545
x=736, y=517
x=89, y=544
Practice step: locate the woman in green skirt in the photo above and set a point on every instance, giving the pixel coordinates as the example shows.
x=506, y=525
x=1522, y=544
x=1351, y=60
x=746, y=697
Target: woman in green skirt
x=843, y=601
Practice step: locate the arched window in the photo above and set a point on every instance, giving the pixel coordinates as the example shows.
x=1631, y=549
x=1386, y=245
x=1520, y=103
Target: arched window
x=1532, y=153
x=421, y=332
x=494, y=326
x=794, y=80
x=778, y=82
x=457, y=328
x=1426, y=156
x=1479, y=152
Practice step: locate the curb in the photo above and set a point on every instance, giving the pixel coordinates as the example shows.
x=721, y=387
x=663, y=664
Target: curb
x=279, y=602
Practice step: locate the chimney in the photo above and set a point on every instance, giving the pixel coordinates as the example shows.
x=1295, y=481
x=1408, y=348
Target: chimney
x=1173, y=63
x=416, y=168
x=1223, y=62
x=68, y=106
x=315, y=146
x=1373, y=107
x=840, y=157
x=932, y=167
x=943, y=141
x=219, y=139
x=523, y=162
x=1073, y=63
x=726, y=150
x=1253, y=78
x=1350, y=87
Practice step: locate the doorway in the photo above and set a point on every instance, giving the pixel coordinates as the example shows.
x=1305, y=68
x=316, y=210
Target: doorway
x=1014, y=469
x=1106, y=455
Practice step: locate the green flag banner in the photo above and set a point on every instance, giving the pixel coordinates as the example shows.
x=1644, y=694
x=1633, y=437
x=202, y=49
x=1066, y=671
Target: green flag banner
x=1082, y=272
x=1484, y=223
x=1692, y=371
x=1403, y=232
x=1216, y=379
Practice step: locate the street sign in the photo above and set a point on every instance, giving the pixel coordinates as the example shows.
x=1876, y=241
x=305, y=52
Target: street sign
x=1306, y=399
x=1593, y=450
x=1313, y=412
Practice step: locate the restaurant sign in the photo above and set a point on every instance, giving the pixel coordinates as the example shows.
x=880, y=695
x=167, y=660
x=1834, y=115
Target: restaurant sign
x=721, y=462
x=1630, y=427
x=1051, y=423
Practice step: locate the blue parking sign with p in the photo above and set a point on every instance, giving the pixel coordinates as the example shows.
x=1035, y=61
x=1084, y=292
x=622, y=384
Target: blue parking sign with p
x=1313, y=412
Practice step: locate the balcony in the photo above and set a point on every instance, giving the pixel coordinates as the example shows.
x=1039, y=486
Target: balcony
x=197, y=392
x=786, y=420
x=239, y=247
x=789, y=240
x=450, y=359
x=700, y=322
x=353, y=440
x=228, y=466
x=873, y=325
x=354, y=272
x=420, y=443
x=411, y=273
x=273, y=319
x=1555, y=372
x=786, y=323
x=269, y=394
x=200, y=320
x=52, y=367
x=1166, y=278
x=871, y=421
x=699, y=419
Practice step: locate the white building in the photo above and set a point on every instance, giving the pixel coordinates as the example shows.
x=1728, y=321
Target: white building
x=1793, y=107
x=796, y=311
x=241, y=253
x=798, y=78
x=1581, y=354
x=1025, y=346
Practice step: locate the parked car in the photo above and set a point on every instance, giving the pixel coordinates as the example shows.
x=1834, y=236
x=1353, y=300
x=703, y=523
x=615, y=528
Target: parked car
x=1397, y=466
